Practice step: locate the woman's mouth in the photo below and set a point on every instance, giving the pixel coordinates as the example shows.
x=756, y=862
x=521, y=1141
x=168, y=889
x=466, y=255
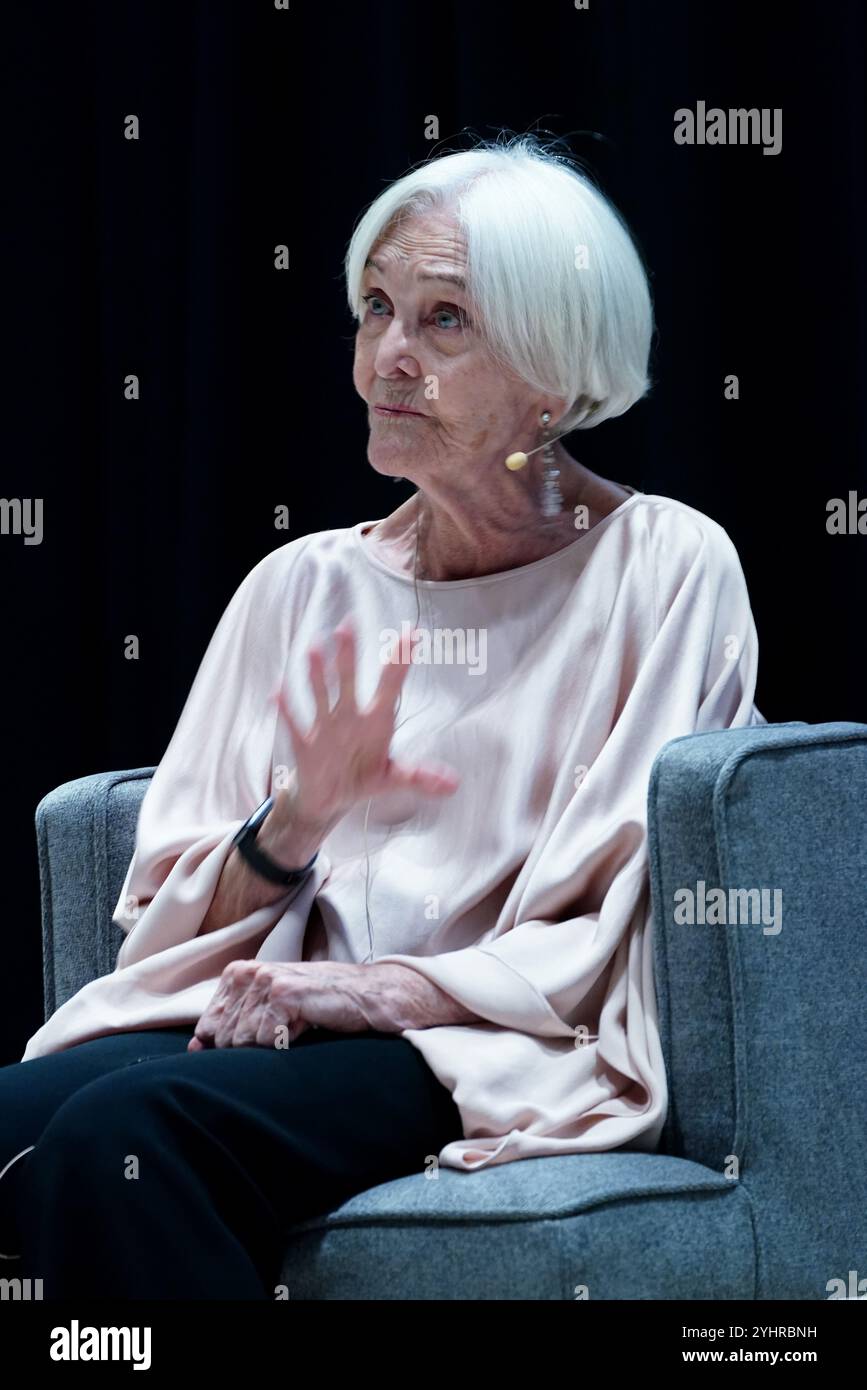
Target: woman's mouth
x=395, y=410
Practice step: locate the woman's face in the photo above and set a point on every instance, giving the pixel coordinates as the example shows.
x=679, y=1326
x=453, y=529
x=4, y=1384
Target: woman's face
x=418, y=346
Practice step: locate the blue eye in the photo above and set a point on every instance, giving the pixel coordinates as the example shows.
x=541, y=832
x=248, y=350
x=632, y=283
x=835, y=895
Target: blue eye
x=454, y=312
x=366, y=298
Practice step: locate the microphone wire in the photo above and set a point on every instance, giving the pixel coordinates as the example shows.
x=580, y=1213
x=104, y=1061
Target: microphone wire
x=369, y=957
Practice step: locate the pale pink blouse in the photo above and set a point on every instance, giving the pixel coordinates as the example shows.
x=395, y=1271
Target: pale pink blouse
x=525, y=895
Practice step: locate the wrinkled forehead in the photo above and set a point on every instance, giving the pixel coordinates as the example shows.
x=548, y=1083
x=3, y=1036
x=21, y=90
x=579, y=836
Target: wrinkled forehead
x=423, y=240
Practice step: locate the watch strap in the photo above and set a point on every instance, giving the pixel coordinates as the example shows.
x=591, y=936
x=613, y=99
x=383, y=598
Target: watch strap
x=255, y=856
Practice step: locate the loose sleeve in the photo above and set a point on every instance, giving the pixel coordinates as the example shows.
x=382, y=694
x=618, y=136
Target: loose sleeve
x=214, y=773
x=216, y=770
x=560, y=963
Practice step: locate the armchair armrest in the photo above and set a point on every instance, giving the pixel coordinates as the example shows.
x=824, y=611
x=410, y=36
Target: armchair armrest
x=85, y=834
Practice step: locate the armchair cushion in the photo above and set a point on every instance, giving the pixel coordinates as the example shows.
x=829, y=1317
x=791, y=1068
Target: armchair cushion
x=617, y=1225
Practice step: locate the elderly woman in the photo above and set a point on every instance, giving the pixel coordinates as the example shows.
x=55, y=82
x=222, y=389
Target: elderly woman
x=389, y=900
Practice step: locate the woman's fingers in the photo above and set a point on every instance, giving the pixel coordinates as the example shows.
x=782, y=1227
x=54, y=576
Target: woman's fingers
x=208, y=1022
x=388, y=687
x=243, y=1022
x=431, y=779
x=316, y=670
x=344, y=639
x=295, y=733
x=351, y=746
x=394, y=673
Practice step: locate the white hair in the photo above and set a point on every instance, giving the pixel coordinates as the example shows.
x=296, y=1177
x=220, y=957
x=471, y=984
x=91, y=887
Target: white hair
x=555, y=277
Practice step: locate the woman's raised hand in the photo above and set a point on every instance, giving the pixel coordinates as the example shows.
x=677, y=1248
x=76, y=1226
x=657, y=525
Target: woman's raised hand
x=344, y=757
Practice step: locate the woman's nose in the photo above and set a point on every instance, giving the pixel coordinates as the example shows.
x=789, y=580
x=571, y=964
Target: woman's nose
x=393, y=352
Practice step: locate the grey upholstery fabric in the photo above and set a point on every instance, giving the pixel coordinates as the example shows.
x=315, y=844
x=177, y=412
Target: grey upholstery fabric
x=85, y=834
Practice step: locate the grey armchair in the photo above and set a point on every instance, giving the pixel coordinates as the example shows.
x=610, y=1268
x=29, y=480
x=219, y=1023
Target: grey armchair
x=758, y=1190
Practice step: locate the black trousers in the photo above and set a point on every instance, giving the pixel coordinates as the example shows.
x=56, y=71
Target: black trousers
x=158, y=1173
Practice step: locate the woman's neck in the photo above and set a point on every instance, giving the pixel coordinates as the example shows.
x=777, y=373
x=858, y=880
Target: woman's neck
x=447, y=537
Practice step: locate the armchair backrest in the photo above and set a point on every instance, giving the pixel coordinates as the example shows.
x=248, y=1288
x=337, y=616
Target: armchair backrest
x=763, y=1023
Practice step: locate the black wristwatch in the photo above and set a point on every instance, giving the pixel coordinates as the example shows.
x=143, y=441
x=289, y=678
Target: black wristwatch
x=245, y=842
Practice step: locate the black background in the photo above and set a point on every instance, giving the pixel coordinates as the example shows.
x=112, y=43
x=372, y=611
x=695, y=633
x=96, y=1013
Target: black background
x=261, y=127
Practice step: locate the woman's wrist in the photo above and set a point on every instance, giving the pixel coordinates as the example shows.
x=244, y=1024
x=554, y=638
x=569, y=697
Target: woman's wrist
x=287, y=835
x=287, y=839
x=399, y=997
